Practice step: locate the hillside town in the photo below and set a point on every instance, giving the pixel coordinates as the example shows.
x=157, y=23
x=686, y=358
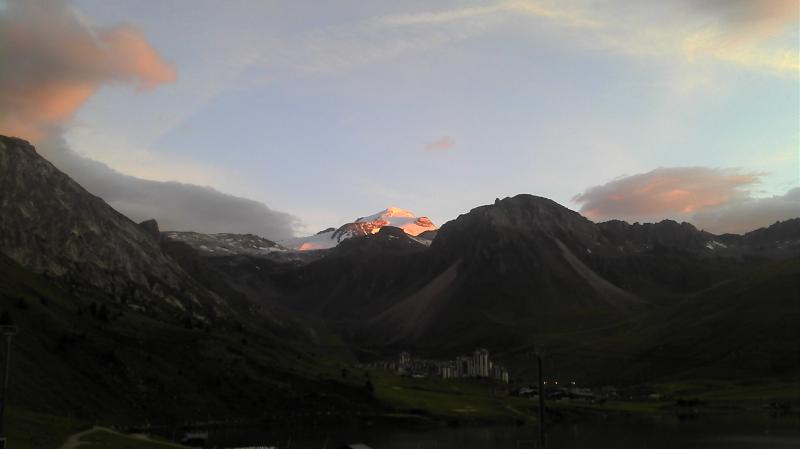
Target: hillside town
x=479, y=365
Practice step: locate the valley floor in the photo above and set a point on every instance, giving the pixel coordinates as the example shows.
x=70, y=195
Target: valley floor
x=469, y=401
x=434, y=403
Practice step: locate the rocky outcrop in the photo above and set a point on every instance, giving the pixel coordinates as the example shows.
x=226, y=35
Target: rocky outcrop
x=151, y=228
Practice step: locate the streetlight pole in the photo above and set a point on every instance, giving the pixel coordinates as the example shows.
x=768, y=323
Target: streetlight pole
x=541, y=400
x=539, y=354
x=8, y=331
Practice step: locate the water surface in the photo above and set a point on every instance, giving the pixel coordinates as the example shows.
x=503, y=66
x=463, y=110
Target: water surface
x=617, y=433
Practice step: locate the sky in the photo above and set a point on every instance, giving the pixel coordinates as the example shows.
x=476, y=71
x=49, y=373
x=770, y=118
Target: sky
x=288, y=117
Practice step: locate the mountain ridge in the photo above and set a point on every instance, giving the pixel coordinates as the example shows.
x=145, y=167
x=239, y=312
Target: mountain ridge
x=127, y=307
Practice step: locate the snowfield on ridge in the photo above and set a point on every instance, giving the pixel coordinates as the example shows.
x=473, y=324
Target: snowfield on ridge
x=371, y=224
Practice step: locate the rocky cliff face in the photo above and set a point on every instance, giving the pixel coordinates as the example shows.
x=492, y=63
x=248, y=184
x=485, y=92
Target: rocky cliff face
x=50, y=225
x=667, y=233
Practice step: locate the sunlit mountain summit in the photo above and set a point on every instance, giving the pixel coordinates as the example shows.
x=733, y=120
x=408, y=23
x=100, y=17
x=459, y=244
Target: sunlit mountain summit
x=420, y=227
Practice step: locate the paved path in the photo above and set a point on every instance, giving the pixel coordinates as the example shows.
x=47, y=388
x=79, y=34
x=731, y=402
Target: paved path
x=74, y=440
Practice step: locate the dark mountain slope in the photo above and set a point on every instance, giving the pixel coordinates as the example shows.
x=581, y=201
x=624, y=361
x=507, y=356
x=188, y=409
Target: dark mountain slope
x=357, y=279
x=743, y=328
x=50, y=225
x=532, y=240
x=746, y=324
x=520, y=263
x=88, y=358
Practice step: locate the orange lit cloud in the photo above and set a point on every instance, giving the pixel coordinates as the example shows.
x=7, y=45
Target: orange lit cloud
x=750, y=19
x=442, y=144
x=53, y=62
x=665, y=193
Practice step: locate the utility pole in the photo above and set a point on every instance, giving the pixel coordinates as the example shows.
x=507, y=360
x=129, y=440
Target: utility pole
x=9, y=331
x=539, y=355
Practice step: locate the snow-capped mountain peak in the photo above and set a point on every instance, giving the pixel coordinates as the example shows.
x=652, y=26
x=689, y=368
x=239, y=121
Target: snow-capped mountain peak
x=389, y=212
x=399, y=218
x=371, y=224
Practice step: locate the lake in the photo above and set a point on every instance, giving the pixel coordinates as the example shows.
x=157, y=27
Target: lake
x=664, y=432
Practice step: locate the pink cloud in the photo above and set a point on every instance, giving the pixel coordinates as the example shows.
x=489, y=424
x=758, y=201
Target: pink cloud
x=665, y=193
x=442, y=144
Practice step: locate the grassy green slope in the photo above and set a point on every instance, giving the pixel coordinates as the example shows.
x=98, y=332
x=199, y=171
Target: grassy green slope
x=453, y=399
x=743, y=328
x=28, y=430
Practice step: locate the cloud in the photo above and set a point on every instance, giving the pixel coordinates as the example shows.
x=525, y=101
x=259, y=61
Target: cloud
x=738, y=32
x=441, y=145
x=750, y=19
x=53, y=60
x=664, y=192
x=717, y=200
x=523, y=7
x=176, y=206
x=753, y=213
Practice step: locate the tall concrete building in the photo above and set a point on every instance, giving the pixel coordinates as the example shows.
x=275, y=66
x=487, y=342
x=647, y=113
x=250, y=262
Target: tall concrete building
x=500, y=374
x=482, y=363
x=404, y=363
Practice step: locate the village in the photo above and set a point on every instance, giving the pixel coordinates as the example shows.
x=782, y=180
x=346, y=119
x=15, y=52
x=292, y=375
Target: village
x=479, y=365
